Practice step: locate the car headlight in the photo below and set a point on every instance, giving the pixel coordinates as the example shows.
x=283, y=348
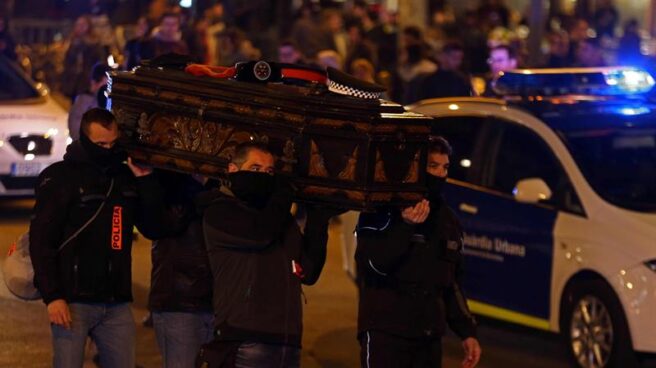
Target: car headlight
x=651, y=264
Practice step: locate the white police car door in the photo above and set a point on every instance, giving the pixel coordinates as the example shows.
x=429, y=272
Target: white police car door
x=508, y=244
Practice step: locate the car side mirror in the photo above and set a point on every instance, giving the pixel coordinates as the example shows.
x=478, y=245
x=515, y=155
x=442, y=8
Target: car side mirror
x=531, y=190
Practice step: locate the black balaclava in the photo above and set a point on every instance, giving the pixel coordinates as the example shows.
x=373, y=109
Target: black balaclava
x=254, y=188
x=103, y=157
x=435, y=185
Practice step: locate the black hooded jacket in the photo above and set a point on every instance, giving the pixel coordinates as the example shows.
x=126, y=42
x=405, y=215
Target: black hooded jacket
x=259, y=259
x=410, y=275
x=180, y=280
x=96, y=265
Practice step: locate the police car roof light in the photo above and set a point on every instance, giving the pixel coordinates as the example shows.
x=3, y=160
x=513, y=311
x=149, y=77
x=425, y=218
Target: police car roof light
x=630, y=80
x=609, y=81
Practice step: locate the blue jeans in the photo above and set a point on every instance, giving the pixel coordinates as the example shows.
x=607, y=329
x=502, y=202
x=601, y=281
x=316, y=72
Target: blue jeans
x=111, y=326
x=180, y=336
x=257, y=355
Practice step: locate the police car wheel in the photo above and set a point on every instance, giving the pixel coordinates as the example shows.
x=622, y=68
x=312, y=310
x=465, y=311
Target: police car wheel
x=594, y=326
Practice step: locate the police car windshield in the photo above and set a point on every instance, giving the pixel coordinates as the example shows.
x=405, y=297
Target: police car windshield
x=13, y=84
x=618, y=161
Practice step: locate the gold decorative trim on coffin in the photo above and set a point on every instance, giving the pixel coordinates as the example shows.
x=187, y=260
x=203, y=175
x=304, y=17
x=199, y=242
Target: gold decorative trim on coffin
x=288, y=156
x=195, y=135
x=317, y=166
x=413, y=171
x=379, y=174
x=349, y=171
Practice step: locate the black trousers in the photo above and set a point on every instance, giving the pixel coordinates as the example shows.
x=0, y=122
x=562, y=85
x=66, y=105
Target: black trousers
x=382, y=350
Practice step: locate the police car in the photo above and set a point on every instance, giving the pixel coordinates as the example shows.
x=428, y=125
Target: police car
x=555, y=185
x=33, y=130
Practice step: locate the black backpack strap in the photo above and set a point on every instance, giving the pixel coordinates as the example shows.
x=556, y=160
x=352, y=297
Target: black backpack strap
x=86, y=224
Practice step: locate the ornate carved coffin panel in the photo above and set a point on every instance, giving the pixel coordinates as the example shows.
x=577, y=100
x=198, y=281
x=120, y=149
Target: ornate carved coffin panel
x=342, y=150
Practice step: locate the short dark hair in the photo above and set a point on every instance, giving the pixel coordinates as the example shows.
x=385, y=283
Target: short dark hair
x=512, y=54
x=439, y=144
x=99, y=71
x=96, y=115
x=243, y=149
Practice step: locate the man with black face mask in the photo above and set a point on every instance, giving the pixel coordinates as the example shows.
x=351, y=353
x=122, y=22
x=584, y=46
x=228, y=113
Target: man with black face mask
x=259, y=258
x=409, y=272
x=80, y=245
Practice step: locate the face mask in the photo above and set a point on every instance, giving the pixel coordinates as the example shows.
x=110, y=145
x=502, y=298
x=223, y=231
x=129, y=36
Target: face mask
x=435, y=185
x=254, y=188
x=104, y=157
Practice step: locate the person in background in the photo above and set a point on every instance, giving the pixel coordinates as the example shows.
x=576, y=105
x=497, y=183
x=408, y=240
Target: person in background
x=215, y=25
x=558, y=56
x=289, y=53
x=235, y=47
x=167, y=38
x=412, y=71
x=578, y=29
x=359, y=47
x=364, y=70
x=87, y=100
x=606, y=18
x=494, y=13
x=304, y=31
x=629, y=47
x=588, y=54
x=502, y=58
x=102, y=26
x=132, y=50
x=83, y=52
x=448, y=80
x=329, y=58
x=443, y=29
x=333, y=35
x=197, y=41
x=384, y=37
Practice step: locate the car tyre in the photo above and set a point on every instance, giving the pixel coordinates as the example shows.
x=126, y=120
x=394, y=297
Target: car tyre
x=594, y=326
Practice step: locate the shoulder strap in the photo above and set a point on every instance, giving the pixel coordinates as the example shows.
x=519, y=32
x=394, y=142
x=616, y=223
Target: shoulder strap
x=111, y=186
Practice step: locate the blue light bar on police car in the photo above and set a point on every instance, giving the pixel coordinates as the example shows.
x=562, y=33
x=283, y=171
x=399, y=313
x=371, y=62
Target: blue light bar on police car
x=579, y=81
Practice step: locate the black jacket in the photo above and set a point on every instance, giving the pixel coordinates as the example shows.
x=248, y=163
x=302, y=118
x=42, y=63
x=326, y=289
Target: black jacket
x=259, y=259
x=409, y=276
x=445, y=83
x=96, y=265
x=180, y=278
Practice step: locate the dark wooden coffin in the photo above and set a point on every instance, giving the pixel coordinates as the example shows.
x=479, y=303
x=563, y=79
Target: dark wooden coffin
x=337, y=149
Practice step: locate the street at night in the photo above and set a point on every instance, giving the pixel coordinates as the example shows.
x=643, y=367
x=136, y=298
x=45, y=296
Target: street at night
x=201, y=181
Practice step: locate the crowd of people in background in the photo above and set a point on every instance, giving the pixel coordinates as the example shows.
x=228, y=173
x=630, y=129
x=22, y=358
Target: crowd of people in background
x=359, y=38
x=455, y=55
